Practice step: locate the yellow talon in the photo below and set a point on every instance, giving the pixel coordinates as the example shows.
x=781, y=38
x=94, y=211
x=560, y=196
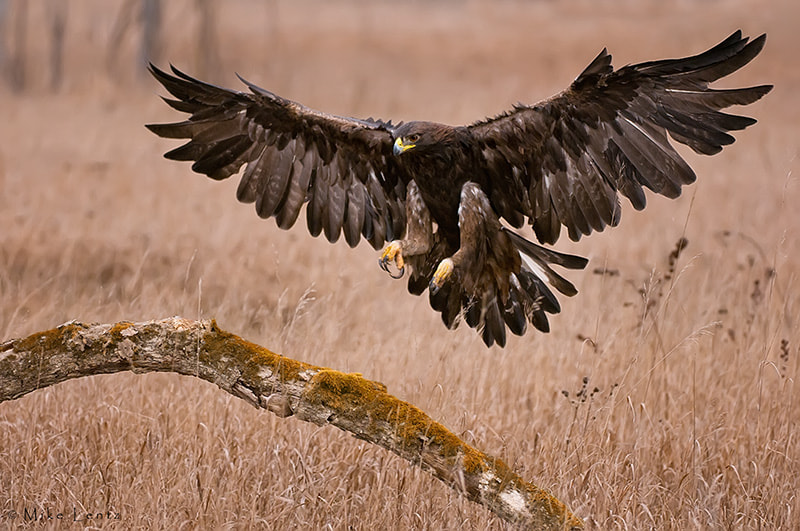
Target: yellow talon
x=392, y=253
x=442, y=273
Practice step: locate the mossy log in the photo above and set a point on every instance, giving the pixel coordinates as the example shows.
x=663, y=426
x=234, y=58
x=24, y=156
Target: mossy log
x=287, y=388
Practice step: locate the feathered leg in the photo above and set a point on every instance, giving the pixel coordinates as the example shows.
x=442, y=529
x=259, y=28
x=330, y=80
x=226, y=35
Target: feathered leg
x=486, y=254
x=419, y=234
x=481, y=267
x=501, y=277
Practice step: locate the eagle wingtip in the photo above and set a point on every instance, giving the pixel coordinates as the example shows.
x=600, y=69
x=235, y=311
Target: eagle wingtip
x=600, y=65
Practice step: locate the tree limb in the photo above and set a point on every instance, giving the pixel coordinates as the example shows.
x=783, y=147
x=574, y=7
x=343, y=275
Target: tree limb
x=285, y=387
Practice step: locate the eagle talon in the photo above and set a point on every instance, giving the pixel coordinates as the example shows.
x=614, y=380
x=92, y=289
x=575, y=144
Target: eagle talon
x=443, y=272
x=393, y=253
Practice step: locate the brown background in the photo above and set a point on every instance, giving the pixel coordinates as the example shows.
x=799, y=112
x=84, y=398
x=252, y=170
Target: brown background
x=694, y=421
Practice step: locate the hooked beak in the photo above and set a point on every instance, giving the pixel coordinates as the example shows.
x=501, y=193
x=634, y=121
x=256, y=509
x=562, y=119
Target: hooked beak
x=400, y=146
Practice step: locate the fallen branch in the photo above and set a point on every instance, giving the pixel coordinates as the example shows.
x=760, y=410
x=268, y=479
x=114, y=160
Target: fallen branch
x=284, y=386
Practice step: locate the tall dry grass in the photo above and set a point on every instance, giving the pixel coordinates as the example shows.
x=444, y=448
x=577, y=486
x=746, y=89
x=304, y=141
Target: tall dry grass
x=664, y=398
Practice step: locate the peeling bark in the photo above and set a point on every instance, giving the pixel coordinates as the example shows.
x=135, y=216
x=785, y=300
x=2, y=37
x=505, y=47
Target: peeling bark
x=285, y=387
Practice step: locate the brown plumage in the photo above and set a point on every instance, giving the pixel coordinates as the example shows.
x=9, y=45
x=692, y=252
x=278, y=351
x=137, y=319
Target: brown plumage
x=444, y=197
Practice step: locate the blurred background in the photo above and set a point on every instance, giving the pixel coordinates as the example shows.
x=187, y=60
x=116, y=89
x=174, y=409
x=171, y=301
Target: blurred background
x=693, y=358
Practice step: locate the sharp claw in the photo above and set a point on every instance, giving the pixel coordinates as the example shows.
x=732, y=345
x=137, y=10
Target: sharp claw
x=392, y=254
x=443, y=272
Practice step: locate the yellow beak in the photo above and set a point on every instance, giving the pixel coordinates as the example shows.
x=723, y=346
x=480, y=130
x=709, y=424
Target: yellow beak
x=400, y=146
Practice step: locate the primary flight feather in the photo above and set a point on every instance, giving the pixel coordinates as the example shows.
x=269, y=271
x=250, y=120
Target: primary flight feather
x=438, y=194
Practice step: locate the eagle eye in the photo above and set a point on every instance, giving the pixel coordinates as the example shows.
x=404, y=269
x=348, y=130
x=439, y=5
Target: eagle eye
x=413, y=138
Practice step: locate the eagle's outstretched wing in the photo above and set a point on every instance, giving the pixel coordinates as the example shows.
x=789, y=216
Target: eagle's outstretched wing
x=342, y=167
x=562, y=162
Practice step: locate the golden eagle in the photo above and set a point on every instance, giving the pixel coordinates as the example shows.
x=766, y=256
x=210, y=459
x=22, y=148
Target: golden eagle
x=444, y=197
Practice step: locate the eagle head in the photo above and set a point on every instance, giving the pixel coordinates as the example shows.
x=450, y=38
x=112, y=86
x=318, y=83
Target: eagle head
x=416, y=135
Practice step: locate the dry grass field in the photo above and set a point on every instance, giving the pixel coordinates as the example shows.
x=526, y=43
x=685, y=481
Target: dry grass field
x=665, y=397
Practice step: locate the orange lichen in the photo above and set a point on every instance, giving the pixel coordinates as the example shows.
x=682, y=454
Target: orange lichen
x=49, y=340
x=539, y=497
x=253, y=358
x=366, y=405
x=346, y=386
x=117, y=328
x=356, y=397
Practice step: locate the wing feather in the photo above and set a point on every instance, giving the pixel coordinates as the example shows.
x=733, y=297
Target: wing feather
x=356, y=212
x=332, y=223
x=275, y=181
x=298, y=190
x=247, y=190
x=318, y=204
x=607, y=134
x=292, y=155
